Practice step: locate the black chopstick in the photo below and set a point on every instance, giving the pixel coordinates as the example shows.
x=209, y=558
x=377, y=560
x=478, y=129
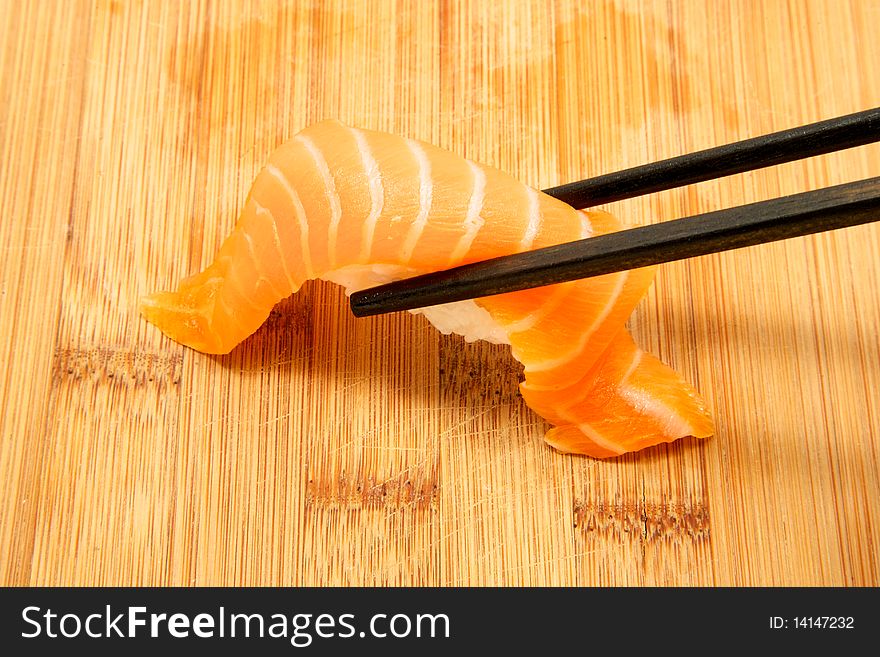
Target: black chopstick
x=830, y=208
x=751, y=154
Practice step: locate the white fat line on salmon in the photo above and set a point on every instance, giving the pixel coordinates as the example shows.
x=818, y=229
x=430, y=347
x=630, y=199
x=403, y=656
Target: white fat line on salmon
x=300, y=213
x=550, y=303
x=227, y=309
x=534, y=219
x=583, y=391
x=586, y=225
x=564, y=410
x=590, y=432
x=229, y=278
x=377, y=193
x=426, y=191
x=216, y=281
x=585, y=338
x=473, y=222
x=672, y=424
x=330, y=191
x=261, y=273
x=637, y=358
x=276, y=239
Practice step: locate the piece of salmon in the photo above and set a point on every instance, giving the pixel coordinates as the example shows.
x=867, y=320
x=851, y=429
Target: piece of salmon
x=360, y=208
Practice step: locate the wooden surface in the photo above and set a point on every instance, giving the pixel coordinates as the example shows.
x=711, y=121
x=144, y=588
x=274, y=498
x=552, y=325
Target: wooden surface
x=329, y=450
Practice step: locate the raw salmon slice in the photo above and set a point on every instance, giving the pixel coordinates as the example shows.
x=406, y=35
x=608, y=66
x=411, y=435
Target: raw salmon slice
x=361, y=208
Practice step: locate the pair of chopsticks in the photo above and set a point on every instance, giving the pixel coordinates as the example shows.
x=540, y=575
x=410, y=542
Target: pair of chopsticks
x=830, y=208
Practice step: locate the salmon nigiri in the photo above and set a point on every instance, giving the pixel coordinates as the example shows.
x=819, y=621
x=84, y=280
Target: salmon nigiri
x=361, y=208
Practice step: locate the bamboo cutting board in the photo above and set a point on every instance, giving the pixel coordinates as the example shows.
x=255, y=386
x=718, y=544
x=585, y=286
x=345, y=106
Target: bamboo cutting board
x=329, y=450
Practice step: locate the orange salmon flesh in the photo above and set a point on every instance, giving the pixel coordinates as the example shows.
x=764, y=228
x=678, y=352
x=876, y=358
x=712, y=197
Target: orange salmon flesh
x=336, y=199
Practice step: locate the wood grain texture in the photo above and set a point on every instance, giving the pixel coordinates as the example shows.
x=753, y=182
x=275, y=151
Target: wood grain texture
x=329, y=450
